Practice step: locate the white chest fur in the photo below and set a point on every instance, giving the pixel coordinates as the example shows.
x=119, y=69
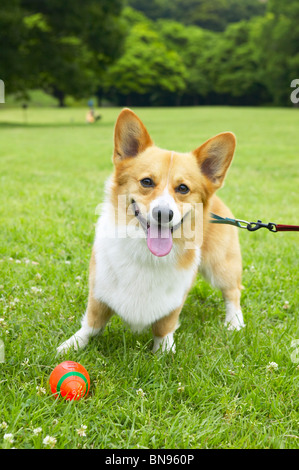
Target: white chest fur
x=140, y=287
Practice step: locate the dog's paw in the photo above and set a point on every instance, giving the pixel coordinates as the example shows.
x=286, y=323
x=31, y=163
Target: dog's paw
x=234, y=322
x=165, y=344
x=77, y=341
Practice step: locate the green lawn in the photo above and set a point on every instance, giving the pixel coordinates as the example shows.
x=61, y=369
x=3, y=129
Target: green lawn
x=218, y=390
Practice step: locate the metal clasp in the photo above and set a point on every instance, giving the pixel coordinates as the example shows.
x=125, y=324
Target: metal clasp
x=240, y=222
x=253, y=226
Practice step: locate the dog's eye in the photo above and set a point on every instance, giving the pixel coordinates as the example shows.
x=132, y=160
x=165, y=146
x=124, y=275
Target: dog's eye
x=147, y=183
x=182, y=188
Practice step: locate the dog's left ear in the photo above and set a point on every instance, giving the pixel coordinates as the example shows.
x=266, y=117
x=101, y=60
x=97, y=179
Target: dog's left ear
x=214, y=157
x=130, y=136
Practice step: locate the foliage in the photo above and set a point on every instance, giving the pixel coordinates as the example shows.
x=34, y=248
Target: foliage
x=276, y=42
x=213, y=15
x=251, y=62
x=164, y=52
x=12, y=33
x=234, y=67
x=147, y=65
x=194, y=46
x=64, y=46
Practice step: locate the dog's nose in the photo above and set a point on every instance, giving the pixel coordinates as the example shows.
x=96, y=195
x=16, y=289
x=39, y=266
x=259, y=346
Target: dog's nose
x=162, y=214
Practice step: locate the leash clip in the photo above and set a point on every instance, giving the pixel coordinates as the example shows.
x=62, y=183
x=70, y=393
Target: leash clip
x=242, y=223
x=253, y=226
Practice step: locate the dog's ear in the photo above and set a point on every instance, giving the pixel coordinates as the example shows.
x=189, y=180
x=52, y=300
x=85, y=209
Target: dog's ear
x=214, y=157
x=130, y=136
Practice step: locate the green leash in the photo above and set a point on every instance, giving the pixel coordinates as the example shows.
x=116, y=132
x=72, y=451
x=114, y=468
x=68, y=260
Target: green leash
x=221, y=220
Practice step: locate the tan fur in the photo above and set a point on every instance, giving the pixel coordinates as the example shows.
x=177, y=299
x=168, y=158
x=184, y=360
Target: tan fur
x=98, y=314
x=221, y=253
x=167, y=324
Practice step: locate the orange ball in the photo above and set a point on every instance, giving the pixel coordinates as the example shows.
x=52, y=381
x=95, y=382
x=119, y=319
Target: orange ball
x=70, y=380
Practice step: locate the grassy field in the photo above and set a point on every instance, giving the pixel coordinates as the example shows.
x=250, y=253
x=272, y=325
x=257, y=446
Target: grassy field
x=219, y=390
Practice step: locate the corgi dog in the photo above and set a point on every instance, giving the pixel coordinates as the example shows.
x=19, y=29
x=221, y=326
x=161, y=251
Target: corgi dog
x=144, y=260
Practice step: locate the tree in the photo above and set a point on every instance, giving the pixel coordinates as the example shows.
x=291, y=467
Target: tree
x=193, y=45
x=234, y=67
x=12, y=34
x=73, y=43
x=62, y=47
x=213, y=15
x=147, y=67
x=277, y=39
x=59, y=65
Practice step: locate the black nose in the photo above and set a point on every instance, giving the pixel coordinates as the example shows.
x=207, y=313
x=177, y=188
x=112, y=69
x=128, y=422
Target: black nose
x=162, y=214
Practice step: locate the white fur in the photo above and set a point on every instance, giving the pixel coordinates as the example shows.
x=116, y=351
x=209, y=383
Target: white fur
x=80, y=338
x=165, y=344
x=234, y=317
x=167, y=200
x=140, y=287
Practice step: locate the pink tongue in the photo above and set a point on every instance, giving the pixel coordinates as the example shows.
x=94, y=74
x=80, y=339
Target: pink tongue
x=159, y=240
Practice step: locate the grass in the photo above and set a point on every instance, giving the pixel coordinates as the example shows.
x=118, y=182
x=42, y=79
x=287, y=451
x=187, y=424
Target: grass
x=216, y=391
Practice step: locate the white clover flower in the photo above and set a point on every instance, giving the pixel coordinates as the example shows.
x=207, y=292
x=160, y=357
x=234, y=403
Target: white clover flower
x=81, y=431
x=40, y=390
x=140, y=392
x=36, y=290
x=49, y=441
x=37, y=431
x=3, y=425
x=272, y=366
x=8, y=438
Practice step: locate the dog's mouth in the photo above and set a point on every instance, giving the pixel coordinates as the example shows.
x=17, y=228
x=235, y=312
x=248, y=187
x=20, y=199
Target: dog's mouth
x=159, y=237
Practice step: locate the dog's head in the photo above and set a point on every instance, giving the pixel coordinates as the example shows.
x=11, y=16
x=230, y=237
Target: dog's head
x=161, y=187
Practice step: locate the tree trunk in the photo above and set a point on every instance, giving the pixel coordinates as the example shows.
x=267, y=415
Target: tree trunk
x=60, y=96
x=129, y=100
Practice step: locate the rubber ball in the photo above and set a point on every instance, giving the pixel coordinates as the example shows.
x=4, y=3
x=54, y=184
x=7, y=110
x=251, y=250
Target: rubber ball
x=70, y=380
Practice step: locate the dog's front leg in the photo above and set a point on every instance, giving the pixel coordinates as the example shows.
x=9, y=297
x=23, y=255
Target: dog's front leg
x=96, y=316
x=163, y=330
x=94, y=320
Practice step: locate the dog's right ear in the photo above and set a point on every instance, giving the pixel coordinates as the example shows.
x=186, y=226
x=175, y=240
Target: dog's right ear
x=130, y=136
